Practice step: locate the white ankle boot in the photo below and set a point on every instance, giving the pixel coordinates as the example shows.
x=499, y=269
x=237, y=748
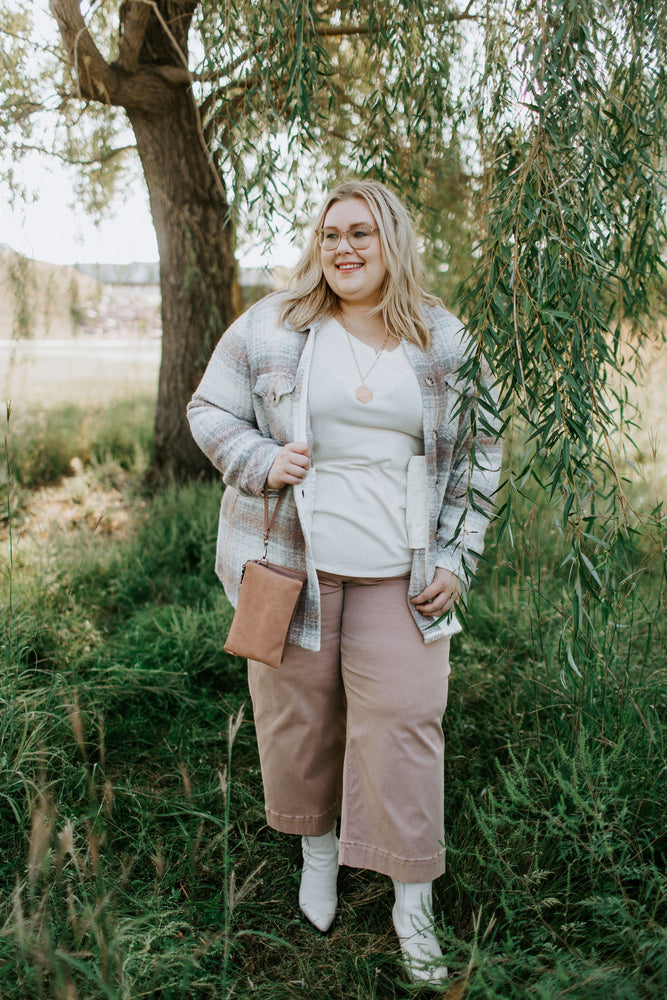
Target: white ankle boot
x=413, y=919
x=317, y=892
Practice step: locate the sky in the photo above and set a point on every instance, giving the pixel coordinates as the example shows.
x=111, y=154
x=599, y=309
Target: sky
x=53, y=229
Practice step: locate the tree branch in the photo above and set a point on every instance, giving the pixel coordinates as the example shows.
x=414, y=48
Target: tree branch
x=230, y=67
x=234, y=87
x=152, y=5
x=363, y=29
x=466, y=13
x=175, y=75
x=96, y=79
x=104, y=158
x=335, y=6
x=325, y=31
x=146, y=88
x=134, y=21
x=343, y=30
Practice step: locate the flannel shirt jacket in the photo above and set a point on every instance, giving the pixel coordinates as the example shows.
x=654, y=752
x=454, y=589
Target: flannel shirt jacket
x=253, y=399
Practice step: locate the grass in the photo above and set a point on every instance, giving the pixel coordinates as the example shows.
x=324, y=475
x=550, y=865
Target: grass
x=51, y=440
x=134, y=856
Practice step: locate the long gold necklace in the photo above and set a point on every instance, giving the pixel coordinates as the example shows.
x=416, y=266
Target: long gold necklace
x=363, y=392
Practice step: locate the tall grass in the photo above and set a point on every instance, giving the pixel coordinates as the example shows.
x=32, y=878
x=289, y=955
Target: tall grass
x=134, y=856
x=51, y=439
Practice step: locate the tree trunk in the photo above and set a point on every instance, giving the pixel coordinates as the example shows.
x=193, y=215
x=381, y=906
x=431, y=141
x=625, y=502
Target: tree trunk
x=197, y=271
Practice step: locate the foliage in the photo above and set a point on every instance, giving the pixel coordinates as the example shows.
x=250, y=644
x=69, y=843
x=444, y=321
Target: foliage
x=22, y=284
x=136, y=856
x=41, y=118
x=51, y=441
x=295, y=100
x=572, y=132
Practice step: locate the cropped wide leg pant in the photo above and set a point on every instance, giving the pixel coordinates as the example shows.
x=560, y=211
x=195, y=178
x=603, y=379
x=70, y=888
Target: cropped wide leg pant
x=356, y=730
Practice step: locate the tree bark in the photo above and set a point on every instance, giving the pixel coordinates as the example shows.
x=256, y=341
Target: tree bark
x=200, y=293
x=197, y=271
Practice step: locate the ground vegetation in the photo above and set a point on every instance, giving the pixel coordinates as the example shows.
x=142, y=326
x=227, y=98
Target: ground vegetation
x=136, y=860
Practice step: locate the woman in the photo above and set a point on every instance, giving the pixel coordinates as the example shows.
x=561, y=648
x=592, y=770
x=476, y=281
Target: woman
x=345, y=391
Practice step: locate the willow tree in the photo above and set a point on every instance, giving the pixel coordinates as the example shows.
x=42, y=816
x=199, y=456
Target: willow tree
x=572, y=123
x=237, y=107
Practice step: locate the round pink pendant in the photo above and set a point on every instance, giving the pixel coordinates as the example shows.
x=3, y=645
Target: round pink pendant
x=363, y=394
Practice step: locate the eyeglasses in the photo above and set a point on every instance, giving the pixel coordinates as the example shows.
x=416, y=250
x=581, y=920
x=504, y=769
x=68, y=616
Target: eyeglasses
x=359, y=237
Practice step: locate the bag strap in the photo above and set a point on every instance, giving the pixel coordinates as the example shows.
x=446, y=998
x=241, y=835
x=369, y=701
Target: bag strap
x=269, y=524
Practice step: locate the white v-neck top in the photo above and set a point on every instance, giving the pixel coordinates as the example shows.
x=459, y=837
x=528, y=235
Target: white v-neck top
x=360, y=455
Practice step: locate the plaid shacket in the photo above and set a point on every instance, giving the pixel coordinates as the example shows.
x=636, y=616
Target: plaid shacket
x=253, y=399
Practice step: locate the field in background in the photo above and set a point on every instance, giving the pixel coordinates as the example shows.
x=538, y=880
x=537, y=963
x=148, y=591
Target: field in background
x=66, y=338
x=650, y=398
x=85, y=370
x=93, y=371
x=40, y=300
x=81, y=341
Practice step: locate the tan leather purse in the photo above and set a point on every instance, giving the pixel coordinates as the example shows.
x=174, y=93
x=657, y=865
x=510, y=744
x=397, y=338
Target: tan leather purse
x=267, y=601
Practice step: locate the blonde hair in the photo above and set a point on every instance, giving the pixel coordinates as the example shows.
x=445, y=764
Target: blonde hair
x=402, y=298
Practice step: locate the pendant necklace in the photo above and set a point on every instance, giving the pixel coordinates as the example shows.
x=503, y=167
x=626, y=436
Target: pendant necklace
x=363, y=392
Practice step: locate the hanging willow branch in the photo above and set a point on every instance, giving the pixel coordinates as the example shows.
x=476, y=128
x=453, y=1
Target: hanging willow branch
x=573, y=221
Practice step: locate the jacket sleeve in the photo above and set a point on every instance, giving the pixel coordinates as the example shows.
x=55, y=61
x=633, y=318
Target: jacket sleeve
x=222, y=416
x=473, y=479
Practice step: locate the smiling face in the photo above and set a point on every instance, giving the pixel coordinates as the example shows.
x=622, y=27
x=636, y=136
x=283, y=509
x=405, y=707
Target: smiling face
x=355, y=276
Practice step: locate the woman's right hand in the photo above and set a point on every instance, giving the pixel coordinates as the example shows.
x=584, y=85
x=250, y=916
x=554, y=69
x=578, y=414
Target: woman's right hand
x=290, y=467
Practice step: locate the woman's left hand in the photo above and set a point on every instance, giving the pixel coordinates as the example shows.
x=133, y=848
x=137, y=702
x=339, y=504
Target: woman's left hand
x=441, y=596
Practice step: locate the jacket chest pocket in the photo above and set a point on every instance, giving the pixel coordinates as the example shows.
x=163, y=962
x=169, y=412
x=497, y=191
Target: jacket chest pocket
x=273, y=394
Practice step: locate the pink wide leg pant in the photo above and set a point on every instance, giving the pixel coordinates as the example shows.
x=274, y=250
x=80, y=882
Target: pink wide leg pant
x=356, y=729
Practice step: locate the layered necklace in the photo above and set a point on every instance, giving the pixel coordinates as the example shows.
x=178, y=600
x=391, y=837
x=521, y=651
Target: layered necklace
x=363, y=392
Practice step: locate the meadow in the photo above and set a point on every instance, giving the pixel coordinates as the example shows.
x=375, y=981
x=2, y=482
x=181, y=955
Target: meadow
x=135, y=860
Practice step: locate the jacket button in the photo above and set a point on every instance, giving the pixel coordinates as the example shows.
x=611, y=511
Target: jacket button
x=435, y=435
x=429, y=380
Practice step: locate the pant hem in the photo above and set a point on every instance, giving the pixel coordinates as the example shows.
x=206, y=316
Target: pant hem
x=306, y=826
x=364, y=856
